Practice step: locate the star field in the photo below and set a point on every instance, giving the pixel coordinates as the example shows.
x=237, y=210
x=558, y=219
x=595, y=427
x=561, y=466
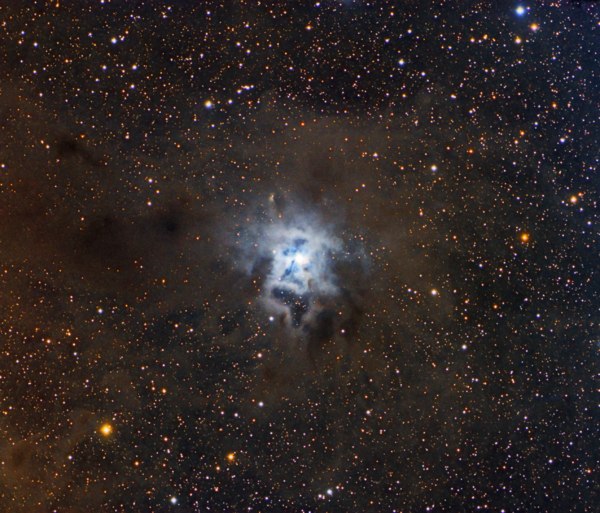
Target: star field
x=313, y=256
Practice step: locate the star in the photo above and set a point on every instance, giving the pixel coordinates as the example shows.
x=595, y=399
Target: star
x=106, y=429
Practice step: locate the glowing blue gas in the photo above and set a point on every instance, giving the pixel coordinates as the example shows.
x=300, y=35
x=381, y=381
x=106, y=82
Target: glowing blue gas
x=300, y=252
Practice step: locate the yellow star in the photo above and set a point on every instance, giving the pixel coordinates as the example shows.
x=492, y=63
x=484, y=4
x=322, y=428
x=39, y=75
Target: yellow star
x=106, y=429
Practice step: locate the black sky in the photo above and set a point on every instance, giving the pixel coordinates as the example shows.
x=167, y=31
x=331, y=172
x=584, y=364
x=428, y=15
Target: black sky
x=153, y=154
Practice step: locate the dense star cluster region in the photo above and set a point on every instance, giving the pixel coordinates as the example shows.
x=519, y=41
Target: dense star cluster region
x=309, y=256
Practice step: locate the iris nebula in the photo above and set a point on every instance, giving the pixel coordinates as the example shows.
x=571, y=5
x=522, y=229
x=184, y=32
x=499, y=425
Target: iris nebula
x=296, y=255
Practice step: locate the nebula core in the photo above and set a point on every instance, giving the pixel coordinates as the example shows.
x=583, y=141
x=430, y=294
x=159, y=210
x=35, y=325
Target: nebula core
x=295, y=253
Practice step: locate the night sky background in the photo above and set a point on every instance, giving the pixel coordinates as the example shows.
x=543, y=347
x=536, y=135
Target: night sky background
x=431, y=167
